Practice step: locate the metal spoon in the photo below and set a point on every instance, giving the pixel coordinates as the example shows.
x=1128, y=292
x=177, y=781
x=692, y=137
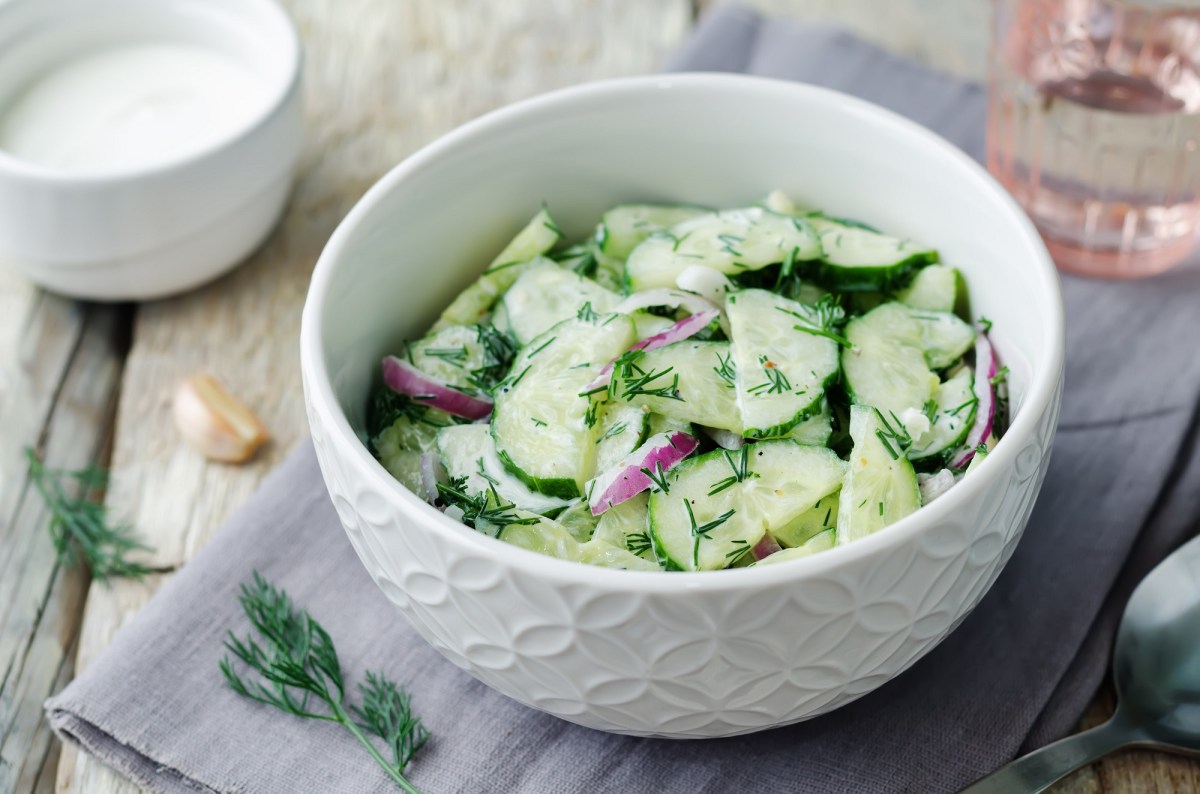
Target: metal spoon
x=1156, y=670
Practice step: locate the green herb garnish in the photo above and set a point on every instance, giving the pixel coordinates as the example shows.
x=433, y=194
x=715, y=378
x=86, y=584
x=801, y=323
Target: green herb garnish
x=79, y=527
x=298, y=672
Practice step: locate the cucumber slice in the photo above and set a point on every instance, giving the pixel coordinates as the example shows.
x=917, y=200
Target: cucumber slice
x=647, y=325
x=718, y=504
x=541, y=417
x=819, y=518
x=934, y=288
x=621, y=429
x=627, y=526
x=944, y=337
x=952, y=419
x=554, y=540
x=661, y=423
x=579, y=521
x=782, y=371
x=625, y=226
x=460, y=355
x=857, y=258
x=881, y=485
x=816, y=430
x=822, y=541
x=885, y=365
x=472, y=305
x=731, y=241
x=468, y=451
x=681, y=381
x=545, y=294
x=402, y=463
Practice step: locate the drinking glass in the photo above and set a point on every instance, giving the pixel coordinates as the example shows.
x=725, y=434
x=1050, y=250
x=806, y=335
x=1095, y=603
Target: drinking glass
x=1093, y=125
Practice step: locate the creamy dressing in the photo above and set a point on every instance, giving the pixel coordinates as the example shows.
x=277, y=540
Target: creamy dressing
x=130, y=107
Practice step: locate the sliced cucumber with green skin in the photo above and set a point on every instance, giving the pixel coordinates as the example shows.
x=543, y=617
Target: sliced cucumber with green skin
x=473, y=304
x=720, y=504
x=625, y=226
x=934, y=288
x=661, y=423
x=952, y=419
x=621, y=429
x=468, y=451
x=554, y=540
x=451, y=354
x=822, y=541
x=627, y=526
x=885, y=365
x=881, y=485
x=854, y=258
x=541, y=417
x=819, y=518
x=781, y=371
x=816, y=430
x=681, y=381
x=731, y=241
x=545, y=294
x=578, y=519
x=944, y=337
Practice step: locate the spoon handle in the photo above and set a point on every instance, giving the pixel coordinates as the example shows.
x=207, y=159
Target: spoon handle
x=1040, y=769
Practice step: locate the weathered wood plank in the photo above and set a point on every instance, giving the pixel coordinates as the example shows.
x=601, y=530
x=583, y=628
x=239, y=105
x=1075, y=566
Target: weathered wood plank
x=59, y=396
x=383, y=78
x=948, y=34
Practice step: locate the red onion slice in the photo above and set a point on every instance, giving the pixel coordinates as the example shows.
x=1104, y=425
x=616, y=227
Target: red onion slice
x=431, y=474
x=625, y=479
x=403, y=378
x=985, y=412
x=725, y=439
x=684, y=329
x=765, y=548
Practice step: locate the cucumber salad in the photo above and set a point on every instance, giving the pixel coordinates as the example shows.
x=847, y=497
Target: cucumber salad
x=693, y=389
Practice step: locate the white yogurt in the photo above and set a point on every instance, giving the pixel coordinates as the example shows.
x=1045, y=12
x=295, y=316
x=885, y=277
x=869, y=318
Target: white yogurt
x=130, y=107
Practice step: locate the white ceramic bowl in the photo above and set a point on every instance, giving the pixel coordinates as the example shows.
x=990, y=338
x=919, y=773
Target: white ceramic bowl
x=157, y=230
x=681, y=654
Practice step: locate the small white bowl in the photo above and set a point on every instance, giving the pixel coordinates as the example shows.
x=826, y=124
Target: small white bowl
x=153, y=231
x=676, y=654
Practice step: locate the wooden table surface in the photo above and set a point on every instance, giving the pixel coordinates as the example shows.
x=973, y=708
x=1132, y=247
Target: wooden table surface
x=92, y=383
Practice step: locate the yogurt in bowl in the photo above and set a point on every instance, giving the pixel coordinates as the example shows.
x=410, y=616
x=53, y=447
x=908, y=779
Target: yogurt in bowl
x=711, y=653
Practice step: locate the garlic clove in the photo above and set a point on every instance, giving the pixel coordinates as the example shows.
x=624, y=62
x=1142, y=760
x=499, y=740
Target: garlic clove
x=215, y=422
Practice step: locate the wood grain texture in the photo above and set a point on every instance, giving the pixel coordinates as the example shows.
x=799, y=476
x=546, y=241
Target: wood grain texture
x=61, y=374
x=383, y=78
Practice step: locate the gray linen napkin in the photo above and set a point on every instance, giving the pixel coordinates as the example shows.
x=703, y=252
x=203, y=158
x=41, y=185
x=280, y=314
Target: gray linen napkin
x=1122, y=490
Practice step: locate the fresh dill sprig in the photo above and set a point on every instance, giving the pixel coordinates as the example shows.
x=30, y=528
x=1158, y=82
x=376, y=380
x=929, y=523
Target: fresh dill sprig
x=776, y=383
x=726, y=370
x=741, y=471
x=930, y=409
x=658, y=477
x=955, y=411
x=540, y=347
x=387, y=406
x=897, y=435
x=592, y=414
x=79, y=527
x=483, y=507
x=638, y=542
x=615, y=430
x=985, y=324
x=728, y=241
x=821, y=319
x=701, y=531
x=499, y=349
x=586, y=313
x=1000, y=377
x=787, y=268
x=638, y=382
x=742, y=548
x=298, y=672
x=454, y=356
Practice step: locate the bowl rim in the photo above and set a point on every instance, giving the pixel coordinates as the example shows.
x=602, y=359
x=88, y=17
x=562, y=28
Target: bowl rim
x=280, y=92
x=1040, y=393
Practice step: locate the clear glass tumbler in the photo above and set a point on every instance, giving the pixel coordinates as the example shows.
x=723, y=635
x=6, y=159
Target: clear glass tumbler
x=1094, y=126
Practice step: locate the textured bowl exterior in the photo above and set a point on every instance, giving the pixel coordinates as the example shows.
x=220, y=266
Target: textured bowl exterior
x=675, y=655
